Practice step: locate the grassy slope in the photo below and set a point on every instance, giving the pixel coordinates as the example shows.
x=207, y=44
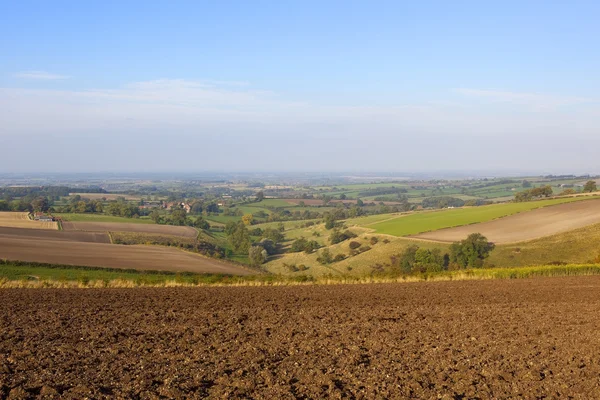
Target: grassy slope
x=430, y=221
x=101, y=218
x=577, y=246
x=357, y=265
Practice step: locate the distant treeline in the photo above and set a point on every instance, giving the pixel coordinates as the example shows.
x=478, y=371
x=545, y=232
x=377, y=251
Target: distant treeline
x=10, y=193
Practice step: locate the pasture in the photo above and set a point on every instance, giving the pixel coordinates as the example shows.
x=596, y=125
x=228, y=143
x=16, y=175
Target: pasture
x=21, y=220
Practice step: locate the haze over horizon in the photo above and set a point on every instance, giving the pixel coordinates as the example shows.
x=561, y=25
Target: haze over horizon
x=299, y=86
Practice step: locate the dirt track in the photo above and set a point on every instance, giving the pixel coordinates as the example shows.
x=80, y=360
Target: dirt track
x=527, y=225
x=14, y=247
x=487, y=339
x=184, y=231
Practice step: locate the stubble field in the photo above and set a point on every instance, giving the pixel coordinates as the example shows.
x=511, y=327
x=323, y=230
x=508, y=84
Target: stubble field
x=488, y=339
x=21, y=220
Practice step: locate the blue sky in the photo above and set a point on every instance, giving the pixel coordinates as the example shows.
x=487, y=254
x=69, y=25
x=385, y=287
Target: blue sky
x=300, y=85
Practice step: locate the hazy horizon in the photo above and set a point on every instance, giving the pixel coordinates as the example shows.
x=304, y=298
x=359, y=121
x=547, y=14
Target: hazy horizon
x=299, y=87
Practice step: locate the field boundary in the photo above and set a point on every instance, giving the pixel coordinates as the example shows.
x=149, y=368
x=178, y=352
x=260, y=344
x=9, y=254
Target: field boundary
x=542, y=271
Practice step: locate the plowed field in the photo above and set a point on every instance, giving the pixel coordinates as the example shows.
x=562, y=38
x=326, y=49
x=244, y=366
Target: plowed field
x=526, y=225
x=488, y=339
x=46, y=234
x=22, y=248
x=185, y=231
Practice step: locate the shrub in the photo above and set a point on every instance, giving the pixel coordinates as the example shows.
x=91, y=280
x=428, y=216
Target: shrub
x=302, y=267
x=354, y=245
x=364, y=248
x=386, y=240
x=339, y=257
x=374, y=241
x=290, y=267
x=338, y=236
x=325, y=257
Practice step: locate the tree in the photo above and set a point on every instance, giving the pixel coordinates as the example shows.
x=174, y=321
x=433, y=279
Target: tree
x=260, y=196
x=200, y=223
x=590, y=186
x=179, y=217
x=526, y=184
x=329, y=221
x=155, y=216
x=274, y=235
x=239, y=238
x=342, y=196
x=257, y=255
x=359, y=202
x=247, y=219
x=470, y=252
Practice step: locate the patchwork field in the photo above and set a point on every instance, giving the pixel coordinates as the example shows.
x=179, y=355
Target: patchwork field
x=416, y=223
x=109, y=255
x=184, y=231
x=21, y=220
x=528, y=225
x=520, y=339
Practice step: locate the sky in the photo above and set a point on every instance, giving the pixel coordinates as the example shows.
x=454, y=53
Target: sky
x=277, y=86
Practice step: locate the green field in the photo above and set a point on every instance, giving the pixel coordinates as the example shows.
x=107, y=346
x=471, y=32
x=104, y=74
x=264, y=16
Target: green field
x=33, y=271
x=101, y=218
x=413, y=224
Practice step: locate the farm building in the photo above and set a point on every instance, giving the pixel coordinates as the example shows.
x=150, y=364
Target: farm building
x=39, y=216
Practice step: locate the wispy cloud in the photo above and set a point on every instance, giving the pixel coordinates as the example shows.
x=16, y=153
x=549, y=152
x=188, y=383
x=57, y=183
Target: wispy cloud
x=536, y=101
x=40, y=75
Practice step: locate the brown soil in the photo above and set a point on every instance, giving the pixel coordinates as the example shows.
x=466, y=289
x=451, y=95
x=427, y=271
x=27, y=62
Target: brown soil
x=40, y=234
x=527, y=225
x=492, y=339
x=185, y=231
x=45, y=250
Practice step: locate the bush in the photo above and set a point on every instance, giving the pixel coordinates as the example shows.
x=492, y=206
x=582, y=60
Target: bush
x=290, y=267
x=364, y=248
x=302, y=267
x=353, y=245
x=386, y=240
x=339, y=236
x=374, y=241
x=325, y=257
x=339, y=257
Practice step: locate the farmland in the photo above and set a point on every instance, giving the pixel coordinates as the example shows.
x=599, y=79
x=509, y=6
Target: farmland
x=74, y=217
x=184, y=231
x=105, y=196
x=21, y=220
x=47, y=234
x=430, y=221
x=516, y=340
x=71, y=252
x=527, y=225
